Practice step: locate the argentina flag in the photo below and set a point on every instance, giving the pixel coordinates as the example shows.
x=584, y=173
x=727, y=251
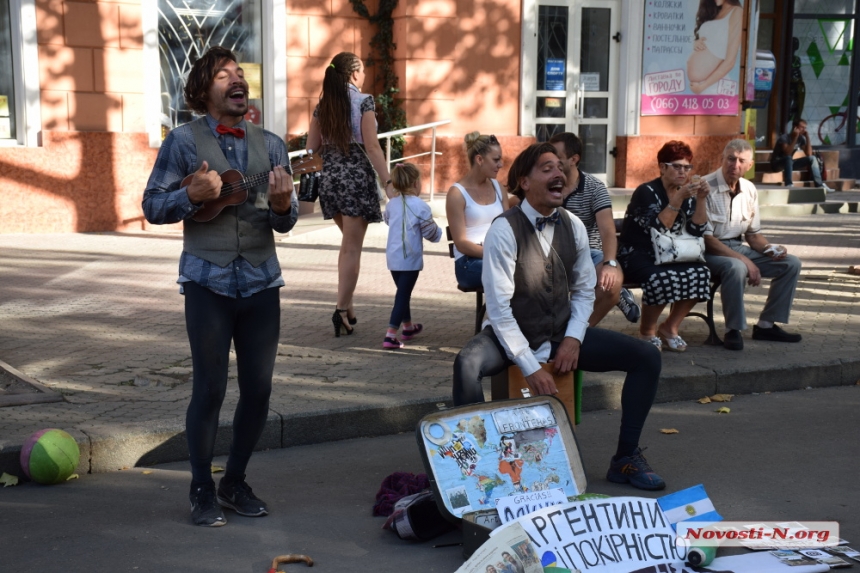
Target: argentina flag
x=688, y=504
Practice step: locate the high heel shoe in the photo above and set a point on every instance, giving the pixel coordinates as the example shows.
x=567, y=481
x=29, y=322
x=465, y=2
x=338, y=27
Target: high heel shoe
x=337, y=321
x=353, y=321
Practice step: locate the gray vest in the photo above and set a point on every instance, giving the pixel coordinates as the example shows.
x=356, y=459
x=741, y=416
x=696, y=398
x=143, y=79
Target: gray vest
x=541, y=300
x=241, y=230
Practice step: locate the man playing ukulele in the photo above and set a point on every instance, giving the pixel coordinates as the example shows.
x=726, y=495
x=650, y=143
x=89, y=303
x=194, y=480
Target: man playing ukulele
x=228, y=270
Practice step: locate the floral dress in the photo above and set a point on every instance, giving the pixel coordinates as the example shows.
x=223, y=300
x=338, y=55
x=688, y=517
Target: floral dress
x=661, y=284
x=348, y=185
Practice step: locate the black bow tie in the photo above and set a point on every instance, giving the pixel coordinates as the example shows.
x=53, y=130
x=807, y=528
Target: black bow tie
x=541, y=222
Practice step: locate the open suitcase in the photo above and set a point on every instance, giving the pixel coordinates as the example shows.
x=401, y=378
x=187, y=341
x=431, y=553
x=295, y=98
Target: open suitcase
x=478, y=453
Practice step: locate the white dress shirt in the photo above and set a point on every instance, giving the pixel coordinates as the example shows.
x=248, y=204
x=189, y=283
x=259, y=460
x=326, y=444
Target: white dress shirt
x=731, y=217
x=500, y=254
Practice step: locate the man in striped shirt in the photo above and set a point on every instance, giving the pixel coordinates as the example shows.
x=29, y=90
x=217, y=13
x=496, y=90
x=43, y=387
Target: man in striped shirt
x=587, y=198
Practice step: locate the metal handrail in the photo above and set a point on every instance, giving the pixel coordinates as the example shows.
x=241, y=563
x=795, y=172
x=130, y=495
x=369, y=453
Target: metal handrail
x=389, y=134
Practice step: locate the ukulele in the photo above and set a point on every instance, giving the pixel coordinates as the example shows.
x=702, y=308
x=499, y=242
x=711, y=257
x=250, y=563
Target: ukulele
x=234, y=191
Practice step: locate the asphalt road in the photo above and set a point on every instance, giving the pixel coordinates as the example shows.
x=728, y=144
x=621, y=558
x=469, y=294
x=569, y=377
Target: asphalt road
x=774, y=457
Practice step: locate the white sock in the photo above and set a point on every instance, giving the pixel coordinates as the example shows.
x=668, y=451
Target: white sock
x=764, y=324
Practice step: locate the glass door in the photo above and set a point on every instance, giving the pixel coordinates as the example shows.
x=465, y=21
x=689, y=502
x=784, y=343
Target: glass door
x=570, y=76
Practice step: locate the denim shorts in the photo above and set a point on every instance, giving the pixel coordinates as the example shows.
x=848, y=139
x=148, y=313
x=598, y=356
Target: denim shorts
x=468, y=271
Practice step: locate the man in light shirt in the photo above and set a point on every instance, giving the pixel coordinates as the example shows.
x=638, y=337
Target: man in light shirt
x=539, y=286
x=733, y=216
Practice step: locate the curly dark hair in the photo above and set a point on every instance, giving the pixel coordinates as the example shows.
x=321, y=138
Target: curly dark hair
x=201, y=75
x=673, y=150
x=335, y=115
x=524, y=163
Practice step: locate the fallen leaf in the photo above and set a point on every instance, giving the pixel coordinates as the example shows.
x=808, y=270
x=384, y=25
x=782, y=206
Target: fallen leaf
x=669, y=431
x=8, y=480
x=723, y=410
x=73, y=476
x=217, y=469
x=146, y=472
x=722, y=397
x=704, y=400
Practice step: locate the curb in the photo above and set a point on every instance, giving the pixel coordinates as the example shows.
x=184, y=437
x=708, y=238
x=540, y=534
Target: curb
x=103, y=449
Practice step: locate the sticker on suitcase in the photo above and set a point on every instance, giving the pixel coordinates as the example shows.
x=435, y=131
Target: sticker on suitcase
x=485, y=456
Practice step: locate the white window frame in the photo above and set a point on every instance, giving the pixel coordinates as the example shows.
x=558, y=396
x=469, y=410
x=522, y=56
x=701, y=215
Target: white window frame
x=25, y=70
x=274, y=42
x=629, y=71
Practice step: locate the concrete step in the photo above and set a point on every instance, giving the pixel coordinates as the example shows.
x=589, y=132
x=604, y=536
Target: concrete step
x=829, y=156
x=798, y=209
x=764, y=167
x=837, y=184
x=785, y=196
x=772, y=178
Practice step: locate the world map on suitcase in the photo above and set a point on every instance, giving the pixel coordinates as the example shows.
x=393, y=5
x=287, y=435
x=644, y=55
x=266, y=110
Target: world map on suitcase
x=494, y=454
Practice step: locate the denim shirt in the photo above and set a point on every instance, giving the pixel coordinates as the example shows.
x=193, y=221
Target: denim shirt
x=164, y=202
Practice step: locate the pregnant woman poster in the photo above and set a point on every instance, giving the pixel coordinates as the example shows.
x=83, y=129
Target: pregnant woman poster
x=691, y=57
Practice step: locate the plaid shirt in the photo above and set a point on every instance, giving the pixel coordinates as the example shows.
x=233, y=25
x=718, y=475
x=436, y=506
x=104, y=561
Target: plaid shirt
x=165, y=202
x=731, y=218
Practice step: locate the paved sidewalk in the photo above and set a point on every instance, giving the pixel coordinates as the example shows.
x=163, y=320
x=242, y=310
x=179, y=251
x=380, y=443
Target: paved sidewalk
x=98, y=319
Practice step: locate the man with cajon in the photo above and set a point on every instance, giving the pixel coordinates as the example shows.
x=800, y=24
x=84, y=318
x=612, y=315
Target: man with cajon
x=539, y=286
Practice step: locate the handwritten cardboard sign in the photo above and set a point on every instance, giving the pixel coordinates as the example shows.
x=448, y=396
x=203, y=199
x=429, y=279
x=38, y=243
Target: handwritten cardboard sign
x=512, y=507
x=614, y=535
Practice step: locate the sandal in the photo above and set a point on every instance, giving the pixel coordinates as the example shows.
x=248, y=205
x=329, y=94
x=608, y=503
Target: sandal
x=673, y=343
x=412, y=332
x=652, y=340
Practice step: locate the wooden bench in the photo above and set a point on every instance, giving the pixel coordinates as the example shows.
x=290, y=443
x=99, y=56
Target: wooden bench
x=480, y=306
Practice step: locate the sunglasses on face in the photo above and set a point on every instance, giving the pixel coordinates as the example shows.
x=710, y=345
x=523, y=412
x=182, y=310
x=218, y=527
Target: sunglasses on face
x=679, y=167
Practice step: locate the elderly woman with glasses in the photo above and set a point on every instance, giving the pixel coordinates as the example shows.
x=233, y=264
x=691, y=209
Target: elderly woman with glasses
x=672, y=201
x=471, y=205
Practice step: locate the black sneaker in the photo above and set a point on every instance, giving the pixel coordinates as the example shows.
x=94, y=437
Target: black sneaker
x=775, y=334
x=204, y=510
x=239, y=497
x=733, y=340
x=634, y=469
x=627, y=304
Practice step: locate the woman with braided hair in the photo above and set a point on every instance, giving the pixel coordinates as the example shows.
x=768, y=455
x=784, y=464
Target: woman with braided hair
x=343, y=130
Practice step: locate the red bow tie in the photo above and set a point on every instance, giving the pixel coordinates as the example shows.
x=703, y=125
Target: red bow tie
x=235, y=131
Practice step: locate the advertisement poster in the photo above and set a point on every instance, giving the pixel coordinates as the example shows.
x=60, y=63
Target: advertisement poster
x=691, y=57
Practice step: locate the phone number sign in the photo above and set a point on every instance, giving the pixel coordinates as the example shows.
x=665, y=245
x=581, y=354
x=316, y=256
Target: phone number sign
x=663, y=95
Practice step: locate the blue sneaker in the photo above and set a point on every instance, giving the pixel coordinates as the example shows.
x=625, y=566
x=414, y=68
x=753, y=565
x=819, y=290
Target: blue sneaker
x=627, y=304
x=634, y=469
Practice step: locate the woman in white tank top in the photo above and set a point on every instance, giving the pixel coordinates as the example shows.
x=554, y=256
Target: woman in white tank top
x=472, y=204
x=717, y=43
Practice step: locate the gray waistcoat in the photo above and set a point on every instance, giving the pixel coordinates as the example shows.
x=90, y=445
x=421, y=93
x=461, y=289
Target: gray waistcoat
x=242, y=230
x=541, y=300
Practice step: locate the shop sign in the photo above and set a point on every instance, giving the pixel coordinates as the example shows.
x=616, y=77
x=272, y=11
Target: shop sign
x=683, y=75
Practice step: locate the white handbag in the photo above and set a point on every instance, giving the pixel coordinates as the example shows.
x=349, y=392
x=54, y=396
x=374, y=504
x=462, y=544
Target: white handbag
x=680, y=247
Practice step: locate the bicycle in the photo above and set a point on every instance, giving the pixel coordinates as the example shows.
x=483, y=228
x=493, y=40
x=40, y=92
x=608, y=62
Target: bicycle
x=833, y=129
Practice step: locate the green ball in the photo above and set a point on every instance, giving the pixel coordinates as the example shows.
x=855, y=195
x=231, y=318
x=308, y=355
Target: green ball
x=50, y=456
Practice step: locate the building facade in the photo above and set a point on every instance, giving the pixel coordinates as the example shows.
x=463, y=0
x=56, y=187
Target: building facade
x=90, y=87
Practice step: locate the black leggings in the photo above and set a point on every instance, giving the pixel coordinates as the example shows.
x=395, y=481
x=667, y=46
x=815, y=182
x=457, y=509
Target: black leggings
x=253, y=325
x=602, y=351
